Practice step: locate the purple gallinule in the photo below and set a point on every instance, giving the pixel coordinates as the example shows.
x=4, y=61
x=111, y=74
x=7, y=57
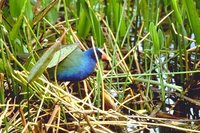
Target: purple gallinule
x=78, y=65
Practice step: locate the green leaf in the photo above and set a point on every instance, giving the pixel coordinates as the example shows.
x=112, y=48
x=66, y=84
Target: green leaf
x=145, y=13
x=2, y=69
x=45, y=11
x=96, y=26
x=43, y=62
x=154, y=37
x=16, y=7
x=52, y=14
x=62, y=54
x=114, y=14
x=161, y=38
x=28, y=10
x=19, y=7
x=84, y=25
x=176, y=11
x=54, y=55
x=20, y=12
x=193, y=18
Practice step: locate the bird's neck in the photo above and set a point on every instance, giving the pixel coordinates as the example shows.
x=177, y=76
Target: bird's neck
x=90, y=54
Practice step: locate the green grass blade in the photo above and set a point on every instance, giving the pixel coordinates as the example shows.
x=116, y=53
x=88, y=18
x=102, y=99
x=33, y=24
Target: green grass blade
x=155, y=38
x=176, y=11
x=193, y=18
x=96, y=26
x=44, y=12
x=115, y=15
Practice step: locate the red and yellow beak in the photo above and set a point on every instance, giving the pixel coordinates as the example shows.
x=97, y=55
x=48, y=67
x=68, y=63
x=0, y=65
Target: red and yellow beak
x=105, y=57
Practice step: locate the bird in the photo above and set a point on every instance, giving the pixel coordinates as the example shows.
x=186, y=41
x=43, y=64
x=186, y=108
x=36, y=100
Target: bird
x=78, y=65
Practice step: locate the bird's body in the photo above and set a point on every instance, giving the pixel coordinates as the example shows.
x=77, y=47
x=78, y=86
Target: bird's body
x=78, y=65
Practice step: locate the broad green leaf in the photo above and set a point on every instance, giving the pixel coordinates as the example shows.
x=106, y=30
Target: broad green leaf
x=15, y=30
x=19, y=7
x=84, y=25
x=43, y=62
x=16, y=7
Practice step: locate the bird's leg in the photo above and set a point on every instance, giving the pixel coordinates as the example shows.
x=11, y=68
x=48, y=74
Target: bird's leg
x=69, y=87
x=75, y=87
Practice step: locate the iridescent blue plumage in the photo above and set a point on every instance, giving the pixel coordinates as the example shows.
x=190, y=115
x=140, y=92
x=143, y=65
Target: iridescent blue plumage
x=78, y=65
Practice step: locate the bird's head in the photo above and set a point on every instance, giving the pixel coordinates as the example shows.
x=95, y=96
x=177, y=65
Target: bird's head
x=99, y=53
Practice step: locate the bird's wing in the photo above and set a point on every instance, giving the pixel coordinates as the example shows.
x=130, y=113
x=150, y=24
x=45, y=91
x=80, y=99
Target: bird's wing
x=61, y=54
